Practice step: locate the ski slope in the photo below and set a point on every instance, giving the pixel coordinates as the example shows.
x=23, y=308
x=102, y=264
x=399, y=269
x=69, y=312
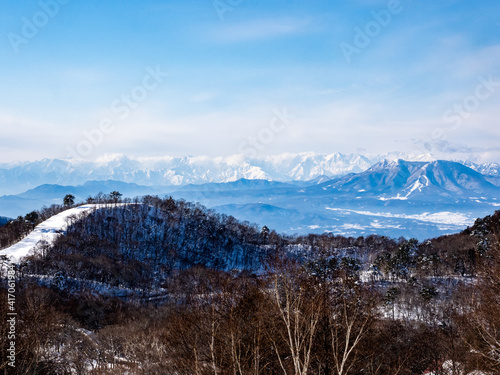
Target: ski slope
x=49, y=230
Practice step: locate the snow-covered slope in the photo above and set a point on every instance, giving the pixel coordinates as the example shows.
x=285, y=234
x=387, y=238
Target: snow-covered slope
x=47, y=231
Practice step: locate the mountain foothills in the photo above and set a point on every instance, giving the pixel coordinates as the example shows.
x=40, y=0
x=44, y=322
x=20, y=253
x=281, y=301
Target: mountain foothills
x=163, y=286
x=302, y=193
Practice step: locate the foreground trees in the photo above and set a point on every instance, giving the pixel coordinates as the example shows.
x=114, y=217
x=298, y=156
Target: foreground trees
x=168, y=287
x=286, y=322
x=480, y=304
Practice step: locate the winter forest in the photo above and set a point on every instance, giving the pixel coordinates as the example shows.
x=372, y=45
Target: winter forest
x=164, y=286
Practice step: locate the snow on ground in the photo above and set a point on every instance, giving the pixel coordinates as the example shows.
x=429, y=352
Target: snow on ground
x=450, y=367
x=444, y=217
x=48, y=231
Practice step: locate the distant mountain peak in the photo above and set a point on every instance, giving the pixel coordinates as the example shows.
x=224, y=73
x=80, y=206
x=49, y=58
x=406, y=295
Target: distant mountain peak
x=400, y=179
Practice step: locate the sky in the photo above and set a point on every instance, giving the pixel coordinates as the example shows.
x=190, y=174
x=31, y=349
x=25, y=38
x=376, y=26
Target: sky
x=147, y=78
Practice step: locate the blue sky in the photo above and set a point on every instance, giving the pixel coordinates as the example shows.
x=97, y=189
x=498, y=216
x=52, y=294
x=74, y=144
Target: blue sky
x=363, y=76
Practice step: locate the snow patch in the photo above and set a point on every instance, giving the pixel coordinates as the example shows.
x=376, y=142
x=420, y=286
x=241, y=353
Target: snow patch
x=49, y=230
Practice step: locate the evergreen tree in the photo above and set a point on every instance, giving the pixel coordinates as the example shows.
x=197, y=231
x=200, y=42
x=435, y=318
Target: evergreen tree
x=69, y=200
x=115, y=196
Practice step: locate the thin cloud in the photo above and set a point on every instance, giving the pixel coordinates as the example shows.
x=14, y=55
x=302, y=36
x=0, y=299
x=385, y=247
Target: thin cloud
x=202, y=97
x=259, y=30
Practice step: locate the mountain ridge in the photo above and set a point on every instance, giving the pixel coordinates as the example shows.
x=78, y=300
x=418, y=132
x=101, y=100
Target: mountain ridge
x=166, y=171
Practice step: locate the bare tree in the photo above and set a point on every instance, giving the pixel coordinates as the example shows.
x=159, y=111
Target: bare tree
x=298, y=307
x=350, y=315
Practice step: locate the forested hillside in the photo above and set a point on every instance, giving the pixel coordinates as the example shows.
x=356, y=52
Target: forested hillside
x=140, y=244
x=160, y=286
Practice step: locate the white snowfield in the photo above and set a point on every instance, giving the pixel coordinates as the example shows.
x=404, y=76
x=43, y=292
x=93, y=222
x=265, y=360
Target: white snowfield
x=49, y=230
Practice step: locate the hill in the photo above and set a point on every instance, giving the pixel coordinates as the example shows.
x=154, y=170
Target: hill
x=138, y=245
x=48, y=194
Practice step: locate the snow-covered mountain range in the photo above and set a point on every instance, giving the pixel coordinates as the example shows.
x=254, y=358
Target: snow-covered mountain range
x=394, y=198
x=166, y=171
x=292, y=193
